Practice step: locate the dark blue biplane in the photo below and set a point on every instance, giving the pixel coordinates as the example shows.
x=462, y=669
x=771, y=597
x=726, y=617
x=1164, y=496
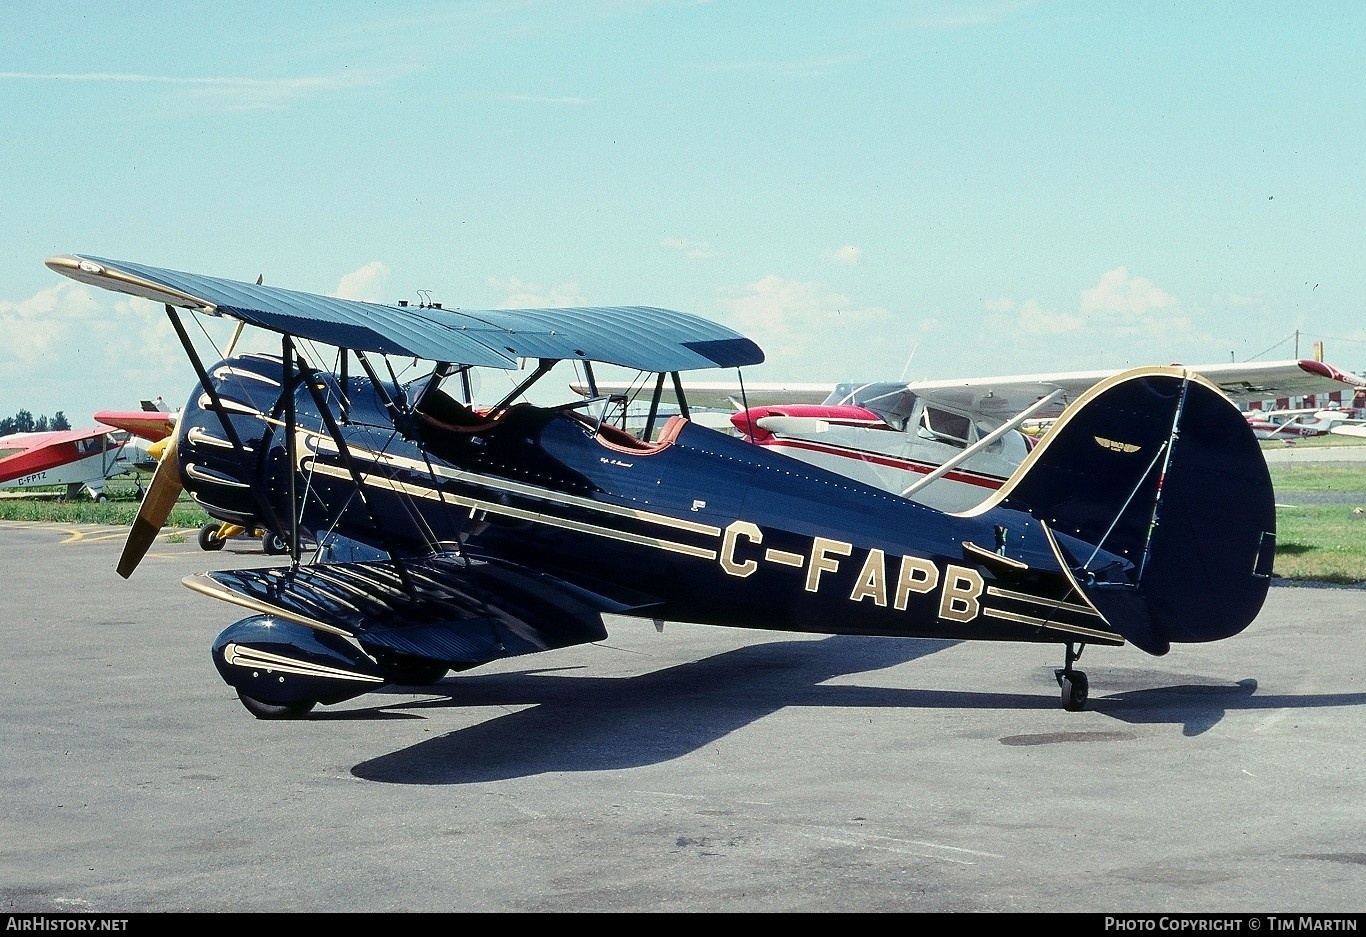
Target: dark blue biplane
x=431, y=532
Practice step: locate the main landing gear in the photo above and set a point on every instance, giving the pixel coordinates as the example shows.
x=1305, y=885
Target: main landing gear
x=1072, y=682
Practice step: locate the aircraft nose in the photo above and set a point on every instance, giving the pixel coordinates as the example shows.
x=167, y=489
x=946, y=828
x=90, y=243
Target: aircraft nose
x=747, y=422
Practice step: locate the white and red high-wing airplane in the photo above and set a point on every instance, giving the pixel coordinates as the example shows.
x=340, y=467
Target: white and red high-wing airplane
x=80, y=459
x=950, y=443
x=83, y=459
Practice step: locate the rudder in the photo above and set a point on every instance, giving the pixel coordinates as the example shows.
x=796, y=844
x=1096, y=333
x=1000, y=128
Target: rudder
x=1158, y=468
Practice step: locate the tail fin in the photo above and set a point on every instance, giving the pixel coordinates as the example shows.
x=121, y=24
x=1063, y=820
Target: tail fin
x=1161, y=505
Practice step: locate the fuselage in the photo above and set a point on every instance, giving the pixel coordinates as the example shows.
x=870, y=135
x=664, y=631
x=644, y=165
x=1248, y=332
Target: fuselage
x=698, y=527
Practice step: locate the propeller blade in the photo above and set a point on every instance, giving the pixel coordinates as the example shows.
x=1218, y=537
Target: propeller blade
x=156, y=507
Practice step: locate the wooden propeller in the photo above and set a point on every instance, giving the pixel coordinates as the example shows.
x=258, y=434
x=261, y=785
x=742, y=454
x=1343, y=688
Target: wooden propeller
x=156, y=507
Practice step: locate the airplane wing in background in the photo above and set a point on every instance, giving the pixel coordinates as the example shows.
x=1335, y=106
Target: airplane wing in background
x=727, y=396
x=1243, y=383
x=151, y=425
x=952, y=441
x=1000, y=397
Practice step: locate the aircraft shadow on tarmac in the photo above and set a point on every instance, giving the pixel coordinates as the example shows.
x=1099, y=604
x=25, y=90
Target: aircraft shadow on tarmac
x=575, y=723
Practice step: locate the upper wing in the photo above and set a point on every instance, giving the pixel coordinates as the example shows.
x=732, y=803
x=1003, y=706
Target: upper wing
x=641, y=337
x=1242, y=382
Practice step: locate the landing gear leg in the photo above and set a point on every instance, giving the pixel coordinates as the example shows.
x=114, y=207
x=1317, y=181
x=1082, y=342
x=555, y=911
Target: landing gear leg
x=1072, y=682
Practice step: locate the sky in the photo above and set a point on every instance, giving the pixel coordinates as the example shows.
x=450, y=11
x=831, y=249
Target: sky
x=871, y=190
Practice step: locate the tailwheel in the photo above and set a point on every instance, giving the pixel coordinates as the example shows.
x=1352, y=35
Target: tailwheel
x=264, y=710
x=1073, y=683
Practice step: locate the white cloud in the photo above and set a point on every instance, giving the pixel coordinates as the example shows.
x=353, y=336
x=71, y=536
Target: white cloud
x=1029, y=319
x=366, y=284
x=65, y=350
x=696, y=250
x=1119, y=292
x=802, y=321
x=847, y=256
x=1036, y=320
x=519, y=295
x=33, y=329
x=1123, y=318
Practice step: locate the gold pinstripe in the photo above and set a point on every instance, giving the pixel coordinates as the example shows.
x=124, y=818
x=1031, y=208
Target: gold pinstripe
x=1038, y=600
x=249, y=657
x=493, y=507
x=1051, y=625
x=501, y=484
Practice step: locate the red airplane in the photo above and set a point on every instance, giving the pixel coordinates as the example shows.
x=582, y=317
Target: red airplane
x=80, y=459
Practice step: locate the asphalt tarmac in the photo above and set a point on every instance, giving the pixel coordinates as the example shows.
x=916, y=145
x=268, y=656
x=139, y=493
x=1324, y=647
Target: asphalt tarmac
x=698, y=770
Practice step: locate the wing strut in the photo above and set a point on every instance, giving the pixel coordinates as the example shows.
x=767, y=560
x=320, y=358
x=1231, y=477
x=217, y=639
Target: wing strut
x=654, y=408
x=401, y=418
x=982, y=443
x=344, y=385
x=203, y=377
x=1172, y=441
x=678, y=392
x=344, y=453
x=545, y=365
x=291, y=442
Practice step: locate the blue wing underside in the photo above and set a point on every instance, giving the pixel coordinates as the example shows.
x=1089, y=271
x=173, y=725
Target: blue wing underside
x=441, y=607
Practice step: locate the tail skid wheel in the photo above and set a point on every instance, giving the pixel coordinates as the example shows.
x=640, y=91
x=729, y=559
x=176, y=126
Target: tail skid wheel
x=1074, y=690
x=1073, y=683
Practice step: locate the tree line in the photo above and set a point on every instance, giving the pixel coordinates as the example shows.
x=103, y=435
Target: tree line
x=24, y=422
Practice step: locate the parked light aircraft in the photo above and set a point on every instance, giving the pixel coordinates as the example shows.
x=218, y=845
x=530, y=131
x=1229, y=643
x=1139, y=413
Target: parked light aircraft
x=1305, y=422
x=447, y=535
x=80, y=459
x=950, y=443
